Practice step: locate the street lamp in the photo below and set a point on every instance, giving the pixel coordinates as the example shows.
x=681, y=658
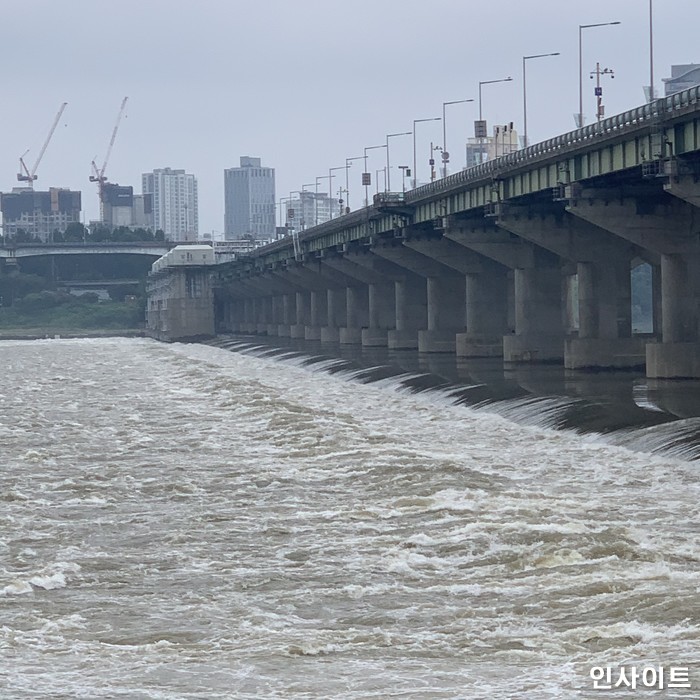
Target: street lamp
x=418, y=121
x=330, y=188
x=527, y=58
x=581, y=27
x=347, y=180
x=445, y=152
x=388, y=167
x=489, y=82
x=652, y=96
x=376, y=178
x=369, y=148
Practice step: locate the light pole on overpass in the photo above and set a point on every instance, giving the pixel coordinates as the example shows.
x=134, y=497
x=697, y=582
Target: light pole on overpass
x=418, y=121
x=445, y=152
x=527, y=58
x=388, y=165
x=581, y=27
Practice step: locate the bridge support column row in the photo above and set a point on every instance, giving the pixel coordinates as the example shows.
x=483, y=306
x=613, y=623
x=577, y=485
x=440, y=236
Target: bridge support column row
x=605, y=318
x=678, y=355
x=487, y=314
x=539, y=334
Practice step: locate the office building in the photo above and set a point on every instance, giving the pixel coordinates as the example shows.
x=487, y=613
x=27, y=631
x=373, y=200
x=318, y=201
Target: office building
x=174, y=203
x=249, y=200
x=39, y=214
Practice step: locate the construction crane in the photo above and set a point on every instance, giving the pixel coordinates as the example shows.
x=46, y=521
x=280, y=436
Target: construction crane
x=27, y=175
x=98, y=176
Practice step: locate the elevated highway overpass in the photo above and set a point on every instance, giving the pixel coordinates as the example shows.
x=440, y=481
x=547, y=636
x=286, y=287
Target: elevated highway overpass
x=527, y=256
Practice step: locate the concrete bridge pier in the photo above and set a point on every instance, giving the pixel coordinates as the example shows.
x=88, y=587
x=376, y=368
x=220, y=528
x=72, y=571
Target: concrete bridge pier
x=539, y=335
x=263, y=314
x=487, y=313
x=380, y=299
x=318, y=314
x=678, y=355
x=486, y=291
x=303, y=315
x=251, y=325
x=382, y=315
x=405, y=302
x=537, y=297
x=356, y=304
x=445, y=303
x=357, y=311
x=603, y=267
x=605, y=318
x=287, y=315
x=274, y=315
x=336, y=315
x=665, y=226
x=411, y=313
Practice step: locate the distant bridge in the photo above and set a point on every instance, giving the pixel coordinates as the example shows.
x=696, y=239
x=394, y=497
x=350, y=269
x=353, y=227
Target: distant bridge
x=11, y=253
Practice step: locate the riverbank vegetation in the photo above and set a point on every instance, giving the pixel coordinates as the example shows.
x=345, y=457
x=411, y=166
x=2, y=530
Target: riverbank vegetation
x=32, y=302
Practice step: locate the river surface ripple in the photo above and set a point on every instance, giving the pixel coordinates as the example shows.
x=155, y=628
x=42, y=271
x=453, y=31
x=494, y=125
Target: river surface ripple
x=181, y=521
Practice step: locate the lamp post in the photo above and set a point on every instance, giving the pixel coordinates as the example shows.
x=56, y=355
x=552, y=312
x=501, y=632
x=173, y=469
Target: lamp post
x=581, y=27
x=376, y=178
x=652, y=96
x=330, y=189
x=369, y=148
x=445, y=152
x=418, y=121
x=527, y=58
x=598, y=89
x=487, y=82
x=388, y=166
x=348, y=161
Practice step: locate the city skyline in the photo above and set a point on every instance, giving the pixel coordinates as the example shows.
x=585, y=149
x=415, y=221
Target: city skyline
x=376, y=83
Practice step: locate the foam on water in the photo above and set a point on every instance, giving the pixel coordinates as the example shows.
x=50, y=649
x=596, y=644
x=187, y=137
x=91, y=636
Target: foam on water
x=187, y=522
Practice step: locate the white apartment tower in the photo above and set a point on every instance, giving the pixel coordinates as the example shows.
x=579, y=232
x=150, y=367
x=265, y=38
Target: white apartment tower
x=175, y=205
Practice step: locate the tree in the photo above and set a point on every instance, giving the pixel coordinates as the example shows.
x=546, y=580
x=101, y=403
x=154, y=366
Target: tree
x=75, y=232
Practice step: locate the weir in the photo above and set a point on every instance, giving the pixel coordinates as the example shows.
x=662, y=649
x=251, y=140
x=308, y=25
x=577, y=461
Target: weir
x=526, y=257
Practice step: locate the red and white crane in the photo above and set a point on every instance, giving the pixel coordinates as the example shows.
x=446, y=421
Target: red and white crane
x=27, y=175
x=99, y=176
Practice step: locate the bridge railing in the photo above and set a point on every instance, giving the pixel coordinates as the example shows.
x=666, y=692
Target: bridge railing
x=616, y=124
x=610, y=126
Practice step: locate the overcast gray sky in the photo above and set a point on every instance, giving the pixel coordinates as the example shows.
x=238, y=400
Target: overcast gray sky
x=304, y=84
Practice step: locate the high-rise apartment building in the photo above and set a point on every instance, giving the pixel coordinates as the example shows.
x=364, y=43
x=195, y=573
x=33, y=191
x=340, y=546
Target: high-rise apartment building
x=310, y=209
x=249, y=200
x=175, y=204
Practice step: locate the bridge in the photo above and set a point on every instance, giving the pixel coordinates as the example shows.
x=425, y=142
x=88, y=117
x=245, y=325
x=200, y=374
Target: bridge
x=11, y=253
x=526, y=257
